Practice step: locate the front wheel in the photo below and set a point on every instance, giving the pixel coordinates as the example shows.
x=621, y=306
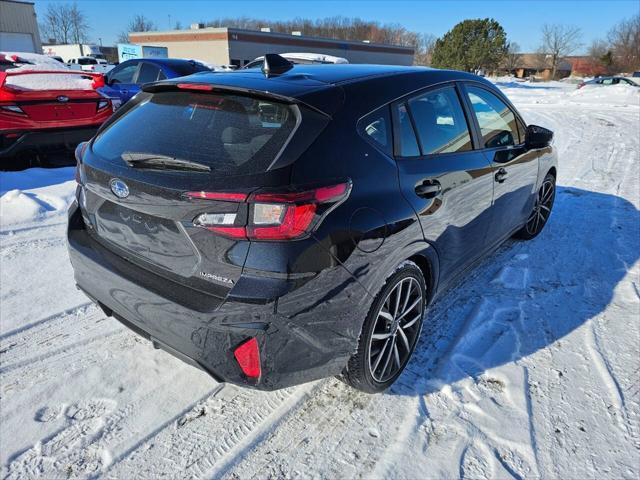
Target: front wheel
x=390, y=331
x=541, y=209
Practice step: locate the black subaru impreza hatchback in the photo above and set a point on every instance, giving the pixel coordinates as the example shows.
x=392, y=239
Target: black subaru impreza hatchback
x=279, y=225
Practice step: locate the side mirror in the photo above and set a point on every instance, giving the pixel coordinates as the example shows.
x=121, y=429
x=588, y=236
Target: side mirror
x=538, y=137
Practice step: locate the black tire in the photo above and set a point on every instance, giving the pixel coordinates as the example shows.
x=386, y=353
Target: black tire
x=402, y=331
x=541, y=209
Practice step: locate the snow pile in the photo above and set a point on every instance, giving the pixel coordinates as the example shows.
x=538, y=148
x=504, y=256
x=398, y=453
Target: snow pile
x=34, y=194
x=610, y=95
x=57, y=81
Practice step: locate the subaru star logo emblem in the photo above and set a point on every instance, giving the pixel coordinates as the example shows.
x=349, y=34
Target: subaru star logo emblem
x=63, y=99
x=119, y=188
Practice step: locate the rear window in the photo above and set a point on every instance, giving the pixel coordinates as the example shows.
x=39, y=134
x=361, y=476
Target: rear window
x=233, y=135
x=187, y=68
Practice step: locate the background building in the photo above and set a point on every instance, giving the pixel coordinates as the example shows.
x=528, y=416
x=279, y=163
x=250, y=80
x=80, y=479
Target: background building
x=224, y=46
x=539, y=65
x=19, y=27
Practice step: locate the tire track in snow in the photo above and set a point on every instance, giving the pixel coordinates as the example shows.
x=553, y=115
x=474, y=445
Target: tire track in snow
x=41, y=339
x=608, y=378
x=210, y=433
x=37, y=323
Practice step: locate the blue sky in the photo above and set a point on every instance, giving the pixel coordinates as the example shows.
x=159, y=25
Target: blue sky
x=520, y=18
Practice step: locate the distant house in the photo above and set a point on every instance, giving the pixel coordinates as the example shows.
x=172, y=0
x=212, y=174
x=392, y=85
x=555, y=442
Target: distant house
x=538, y=65
x=583, y=66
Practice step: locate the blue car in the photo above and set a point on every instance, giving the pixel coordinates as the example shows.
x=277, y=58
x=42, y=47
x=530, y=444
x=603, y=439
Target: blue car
x=125, y=80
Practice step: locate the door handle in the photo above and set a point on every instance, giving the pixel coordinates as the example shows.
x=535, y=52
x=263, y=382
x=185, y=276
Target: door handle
x=428, y=189
x=501, y=175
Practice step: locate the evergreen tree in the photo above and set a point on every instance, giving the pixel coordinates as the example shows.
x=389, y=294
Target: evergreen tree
x=471, y=45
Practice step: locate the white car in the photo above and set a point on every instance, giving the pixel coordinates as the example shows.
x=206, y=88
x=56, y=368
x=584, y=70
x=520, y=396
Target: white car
x=301, y=58
x=90, y=64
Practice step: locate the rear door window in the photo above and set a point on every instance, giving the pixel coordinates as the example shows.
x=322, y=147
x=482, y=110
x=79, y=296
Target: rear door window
x=148, y=73
x=496, y=120
x=232, y=134
x=440, y=122
x=124, y=74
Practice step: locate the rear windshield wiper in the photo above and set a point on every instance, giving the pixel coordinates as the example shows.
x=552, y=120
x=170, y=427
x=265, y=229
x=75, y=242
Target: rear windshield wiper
x=162, y=162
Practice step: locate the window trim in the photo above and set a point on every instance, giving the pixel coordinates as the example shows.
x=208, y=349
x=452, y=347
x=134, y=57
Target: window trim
x=476, y=125
x=418, y=93
x=395, y=120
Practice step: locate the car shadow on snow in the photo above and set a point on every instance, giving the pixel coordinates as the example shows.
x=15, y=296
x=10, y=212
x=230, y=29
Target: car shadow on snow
x=34, y=178
x=527, y=295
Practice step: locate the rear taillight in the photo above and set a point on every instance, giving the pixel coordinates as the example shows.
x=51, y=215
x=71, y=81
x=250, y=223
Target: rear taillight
x=272, y=216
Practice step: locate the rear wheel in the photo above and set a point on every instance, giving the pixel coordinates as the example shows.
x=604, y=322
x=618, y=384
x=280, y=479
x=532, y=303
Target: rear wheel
x=390, y=331
x=541, y=209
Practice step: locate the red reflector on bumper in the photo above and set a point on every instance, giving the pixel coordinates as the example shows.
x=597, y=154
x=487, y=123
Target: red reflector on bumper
x=248, y=357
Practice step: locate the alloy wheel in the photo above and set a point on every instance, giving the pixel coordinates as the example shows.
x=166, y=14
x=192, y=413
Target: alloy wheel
x=542, y=207
x=396, y=329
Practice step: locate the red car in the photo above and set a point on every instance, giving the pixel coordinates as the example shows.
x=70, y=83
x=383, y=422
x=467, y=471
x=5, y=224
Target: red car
x=50, y=111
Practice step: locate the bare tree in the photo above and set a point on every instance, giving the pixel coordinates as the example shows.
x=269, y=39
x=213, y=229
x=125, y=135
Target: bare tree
x=601, y=54
x=139, y=23
x=57, y=24
x=333, y=27
x=513, y=58
x=79, y=24
x=625, y=44
x=425, y=44
x=558, y=41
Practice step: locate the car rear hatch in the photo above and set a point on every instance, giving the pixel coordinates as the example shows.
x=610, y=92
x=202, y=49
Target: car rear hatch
x=171, y=157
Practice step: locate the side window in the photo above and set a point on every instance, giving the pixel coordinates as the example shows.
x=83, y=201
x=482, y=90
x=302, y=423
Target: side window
x=607, y=81
x=440, y=122
x=148, y=73
x=497, y=122
x=161, y=75
x=407, y=143
x=124, y=75
x=377, y=127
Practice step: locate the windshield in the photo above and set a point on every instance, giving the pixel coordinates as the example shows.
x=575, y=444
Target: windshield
x=231, y=134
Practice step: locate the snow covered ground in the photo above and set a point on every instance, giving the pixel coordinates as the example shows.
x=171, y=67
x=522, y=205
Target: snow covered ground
x=530, y=368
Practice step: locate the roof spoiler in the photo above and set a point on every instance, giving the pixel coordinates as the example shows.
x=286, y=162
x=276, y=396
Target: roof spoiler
x=273, y=65
x=167, y=85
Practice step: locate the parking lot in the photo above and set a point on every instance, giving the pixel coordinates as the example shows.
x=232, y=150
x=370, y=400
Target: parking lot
x=529, y=368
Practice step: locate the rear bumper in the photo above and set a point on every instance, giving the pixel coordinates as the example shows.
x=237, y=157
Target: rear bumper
x=42, y=139
x=307, y=334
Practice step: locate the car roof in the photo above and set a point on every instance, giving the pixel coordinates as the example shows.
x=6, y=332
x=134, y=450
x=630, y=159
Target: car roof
x=169, y=62
x=336, y=73
x=324, y=86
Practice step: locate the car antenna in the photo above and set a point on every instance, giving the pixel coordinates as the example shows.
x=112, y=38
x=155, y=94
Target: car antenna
x=273, y=64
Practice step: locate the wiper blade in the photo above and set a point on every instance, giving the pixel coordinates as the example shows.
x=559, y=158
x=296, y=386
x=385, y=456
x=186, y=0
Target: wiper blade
x=162, y=162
